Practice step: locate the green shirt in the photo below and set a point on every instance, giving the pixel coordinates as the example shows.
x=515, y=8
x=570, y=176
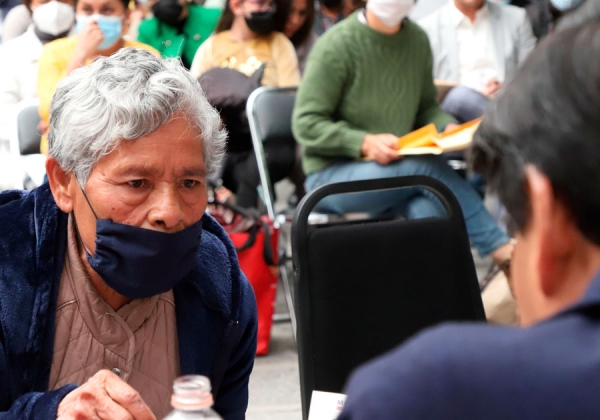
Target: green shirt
x=359, y=81
x=199, y=26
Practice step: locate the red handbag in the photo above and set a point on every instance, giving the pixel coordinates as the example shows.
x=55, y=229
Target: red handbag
x=256, y=246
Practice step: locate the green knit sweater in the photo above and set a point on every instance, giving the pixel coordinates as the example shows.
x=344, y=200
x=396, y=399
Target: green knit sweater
x=359, y=81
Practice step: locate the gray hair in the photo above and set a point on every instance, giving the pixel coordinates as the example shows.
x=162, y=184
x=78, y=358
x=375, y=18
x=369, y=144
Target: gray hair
x=123, y=97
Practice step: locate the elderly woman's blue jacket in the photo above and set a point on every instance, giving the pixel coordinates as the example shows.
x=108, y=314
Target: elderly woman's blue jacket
x=215, y=310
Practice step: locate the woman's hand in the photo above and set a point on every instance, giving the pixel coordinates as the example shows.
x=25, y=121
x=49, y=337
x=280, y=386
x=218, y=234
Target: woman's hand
x=89, y=39
x=382, y=148
x=104, y=396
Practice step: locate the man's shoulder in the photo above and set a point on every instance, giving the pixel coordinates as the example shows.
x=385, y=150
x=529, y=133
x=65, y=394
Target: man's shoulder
x=475, y=370
x=148, y=27
x=433, y=19
x=201, y=12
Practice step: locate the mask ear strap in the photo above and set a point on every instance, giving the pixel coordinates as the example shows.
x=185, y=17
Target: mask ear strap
x=88, y=201
x=78, y=234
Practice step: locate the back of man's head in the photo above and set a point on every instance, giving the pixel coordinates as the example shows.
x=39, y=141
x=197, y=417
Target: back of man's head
x=546, y=126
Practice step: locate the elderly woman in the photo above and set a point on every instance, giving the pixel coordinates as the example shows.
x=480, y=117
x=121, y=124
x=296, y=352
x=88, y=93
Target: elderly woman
x=114, y=281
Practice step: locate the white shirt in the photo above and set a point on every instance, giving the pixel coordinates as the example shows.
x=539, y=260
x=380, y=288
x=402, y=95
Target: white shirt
x=476, y=50
x=18, y=76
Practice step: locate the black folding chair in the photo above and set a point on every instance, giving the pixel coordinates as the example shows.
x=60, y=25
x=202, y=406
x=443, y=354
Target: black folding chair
x=362, y=288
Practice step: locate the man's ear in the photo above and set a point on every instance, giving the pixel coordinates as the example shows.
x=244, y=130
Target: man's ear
x=553, y=229
x=60, y=184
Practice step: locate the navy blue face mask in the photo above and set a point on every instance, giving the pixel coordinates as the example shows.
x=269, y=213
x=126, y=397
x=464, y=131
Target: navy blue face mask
x=139, y=263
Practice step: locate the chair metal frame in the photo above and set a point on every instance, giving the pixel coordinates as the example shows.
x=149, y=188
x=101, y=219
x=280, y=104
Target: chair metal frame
x=257, y=143
x=266, y=186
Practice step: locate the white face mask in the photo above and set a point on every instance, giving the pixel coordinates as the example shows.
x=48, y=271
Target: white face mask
x=54, y=17
x=390, y=12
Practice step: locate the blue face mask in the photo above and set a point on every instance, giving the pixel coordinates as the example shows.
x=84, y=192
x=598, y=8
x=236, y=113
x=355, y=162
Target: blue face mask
x=564, y=5
x=139, y=263
x=111, y=27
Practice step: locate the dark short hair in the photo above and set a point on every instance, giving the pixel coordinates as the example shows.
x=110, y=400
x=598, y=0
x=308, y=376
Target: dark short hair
x=549, y=117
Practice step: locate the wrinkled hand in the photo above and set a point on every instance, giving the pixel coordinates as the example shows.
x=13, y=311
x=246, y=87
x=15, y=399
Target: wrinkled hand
x=104, y=396
x=382, y=148
x=89, y=39
x=491, y=88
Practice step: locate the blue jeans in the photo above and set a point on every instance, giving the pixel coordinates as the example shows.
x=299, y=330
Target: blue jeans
x=413, y=203
x=464, y=104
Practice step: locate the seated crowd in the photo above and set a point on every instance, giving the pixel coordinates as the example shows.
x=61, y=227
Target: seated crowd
x=142, y=106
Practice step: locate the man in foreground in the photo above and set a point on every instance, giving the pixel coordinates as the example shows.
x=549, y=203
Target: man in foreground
x=538, y=145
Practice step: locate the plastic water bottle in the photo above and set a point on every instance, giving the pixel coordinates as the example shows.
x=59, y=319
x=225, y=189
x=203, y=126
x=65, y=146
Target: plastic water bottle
x=192, y=399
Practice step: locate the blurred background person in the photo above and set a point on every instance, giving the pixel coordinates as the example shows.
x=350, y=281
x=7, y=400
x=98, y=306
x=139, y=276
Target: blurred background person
x=16, y=22
x=178, y=28
x=19, y=56
x=544, y=14
x=477, y=45
x=247, y=51
x=327, y=14
x=101, y=25
x=367, y=82
x=299, y=29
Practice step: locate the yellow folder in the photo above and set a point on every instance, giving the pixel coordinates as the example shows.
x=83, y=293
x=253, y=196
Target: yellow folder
x=427, y=140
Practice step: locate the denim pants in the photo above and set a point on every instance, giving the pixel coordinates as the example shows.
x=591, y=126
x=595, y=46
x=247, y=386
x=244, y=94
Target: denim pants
x=464, y=104
x=413, y=203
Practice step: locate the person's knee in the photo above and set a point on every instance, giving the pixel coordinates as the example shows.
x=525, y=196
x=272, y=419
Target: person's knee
x=464, y=104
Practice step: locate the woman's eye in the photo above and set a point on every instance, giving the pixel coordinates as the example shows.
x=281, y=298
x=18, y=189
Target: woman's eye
x=136, y=183
x=189, y=183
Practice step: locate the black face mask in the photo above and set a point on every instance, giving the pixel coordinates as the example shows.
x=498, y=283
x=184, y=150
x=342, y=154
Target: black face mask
x=261, y=23
x=331, y=4
x=168, y=11
x=46, y=37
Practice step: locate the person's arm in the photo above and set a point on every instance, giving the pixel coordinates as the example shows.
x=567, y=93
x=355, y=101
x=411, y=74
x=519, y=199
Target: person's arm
x=527, y=40
x=317, y=100
x=429, y=108
x=203, y=58
x=284, y=53
x=29, y=406
x=37, y=405
x=232, y=399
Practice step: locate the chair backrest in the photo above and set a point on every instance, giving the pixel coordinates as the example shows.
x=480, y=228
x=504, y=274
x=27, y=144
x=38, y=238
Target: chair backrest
x=363, y=288
x=269, y=113
x=27, y=138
